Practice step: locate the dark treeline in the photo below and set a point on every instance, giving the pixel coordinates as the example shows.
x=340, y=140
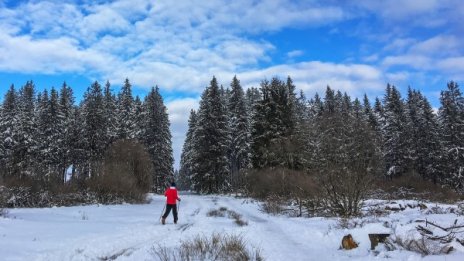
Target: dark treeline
x=234, y=133
x=44, y=134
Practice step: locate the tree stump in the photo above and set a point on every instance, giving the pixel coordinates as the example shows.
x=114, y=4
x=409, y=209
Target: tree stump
x=377, y=238
x=348, y=242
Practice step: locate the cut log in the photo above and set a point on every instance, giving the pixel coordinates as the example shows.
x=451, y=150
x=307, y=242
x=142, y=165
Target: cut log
x=377, y=238
x=348, y=242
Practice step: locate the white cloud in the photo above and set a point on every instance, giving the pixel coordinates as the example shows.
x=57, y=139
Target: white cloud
x=453, y=64
x=441, y=53
x=439, y=45
x=47, y=56
x=295, y=53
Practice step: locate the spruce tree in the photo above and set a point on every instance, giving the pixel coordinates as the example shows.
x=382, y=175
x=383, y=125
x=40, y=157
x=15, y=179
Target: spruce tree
x=451, y=117
x=27, y=148
x=67, y=147
x=239, y=133
x=94, y=131
x=157, y=139
x=111, y=114
x=210, y=170
x=273, y=127
x=395, y=133
x=126, y=112
x=9, y=123
x=186, y=158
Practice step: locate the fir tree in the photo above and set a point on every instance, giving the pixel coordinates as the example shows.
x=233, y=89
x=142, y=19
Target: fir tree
x=273, y=127
x=395, y=133
x=451, y=117
x=186, y=158
x=111, y=113
x=67, y=147
x=157, y=139
x=210, y=169
x=239, y=132
x=126, y=111
x=94, y=132
x=27, y=146
x=9, y=119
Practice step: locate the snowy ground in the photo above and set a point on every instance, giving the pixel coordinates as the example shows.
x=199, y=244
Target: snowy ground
x=129, y=232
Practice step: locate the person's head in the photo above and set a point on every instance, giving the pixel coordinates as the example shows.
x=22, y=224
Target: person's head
x=173, y=184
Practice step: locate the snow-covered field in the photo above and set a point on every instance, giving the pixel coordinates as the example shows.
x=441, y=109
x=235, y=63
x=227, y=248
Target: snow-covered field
x=129, y=232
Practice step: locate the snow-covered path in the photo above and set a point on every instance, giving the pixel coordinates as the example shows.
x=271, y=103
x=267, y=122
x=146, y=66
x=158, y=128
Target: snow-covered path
x=129, y=232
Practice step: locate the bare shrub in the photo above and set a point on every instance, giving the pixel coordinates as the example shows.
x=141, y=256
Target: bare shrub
x=272, y=205
x=345, y=198
x=423, y=245
x=217, y=247
x=280, y=186
x=125, y=172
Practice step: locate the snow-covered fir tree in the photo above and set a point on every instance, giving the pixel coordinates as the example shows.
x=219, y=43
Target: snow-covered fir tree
x=126, y=112
x=94, y=131
x=9, y=123
x=451, y=117
x=49, y=136
x=211, y=166
x=186, y=158
x=157, y=138
x=67, y=146
x=239, y=133
x=424, y=145
x=273, y=126
x=27, y=148
x=394, y=132
x=111, y=113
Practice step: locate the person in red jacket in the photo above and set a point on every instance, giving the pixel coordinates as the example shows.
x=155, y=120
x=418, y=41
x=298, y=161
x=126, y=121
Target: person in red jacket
x=171, y=194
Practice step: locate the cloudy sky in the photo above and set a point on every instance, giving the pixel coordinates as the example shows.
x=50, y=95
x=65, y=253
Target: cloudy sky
x=355, y=46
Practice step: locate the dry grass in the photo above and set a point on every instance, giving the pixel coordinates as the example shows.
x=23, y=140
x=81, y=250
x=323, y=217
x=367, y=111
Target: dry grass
x=215, y=213
x=222, y=212
x=217, y=247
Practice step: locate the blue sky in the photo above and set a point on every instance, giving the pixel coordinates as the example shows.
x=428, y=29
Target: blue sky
x=355, y=46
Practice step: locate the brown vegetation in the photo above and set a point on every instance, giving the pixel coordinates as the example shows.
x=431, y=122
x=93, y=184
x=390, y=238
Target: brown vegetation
x=217, y=247
x=413, y=187
x=125, y=171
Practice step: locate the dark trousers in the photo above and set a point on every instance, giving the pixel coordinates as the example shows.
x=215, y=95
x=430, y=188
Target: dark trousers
x=168, y=210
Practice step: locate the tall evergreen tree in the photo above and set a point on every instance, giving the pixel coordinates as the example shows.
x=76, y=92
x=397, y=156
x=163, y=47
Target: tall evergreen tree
x=273, y=127
x=93, y=112
x=126, y=112
x=27, y=147
x=395, y=133
x=210, y=170
x=157, y=139
x=111, y=113
x=67, y=147
x=9, y=123
x=239, y=132
x=424, y=146
x=186, y=158
x=451, y=117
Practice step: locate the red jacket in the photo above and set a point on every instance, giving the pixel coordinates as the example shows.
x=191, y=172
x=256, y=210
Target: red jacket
x=171, y=194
